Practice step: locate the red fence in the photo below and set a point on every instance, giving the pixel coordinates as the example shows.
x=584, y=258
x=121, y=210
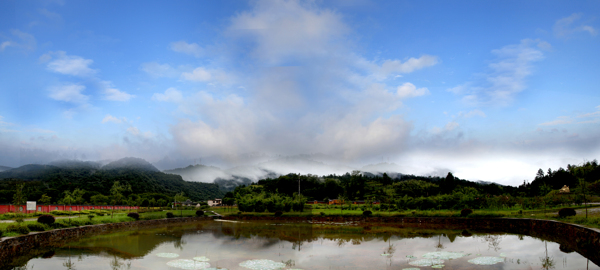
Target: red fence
x=5, y=208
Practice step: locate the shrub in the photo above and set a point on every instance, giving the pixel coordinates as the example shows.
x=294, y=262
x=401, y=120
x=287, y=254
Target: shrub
x=566, y=212
x=367, y=213
x=465, y=212
x=87, y=222
x=19, y=220
x=323, y=213
x=278, y=213
x=100, y=214
x=46, y=219
x=17, y=229
x=170, y=215
x=90, y=216
x=1, y=232
x=134, y=215
x=199, y=213
x=58, y=225
x=239, y=213
x=36, y=227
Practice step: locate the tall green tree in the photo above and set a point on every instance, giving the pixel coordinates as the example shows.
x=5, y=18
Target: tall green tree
x=180, y=197
x=45, y=199
x=116, y=191
x=19, y=198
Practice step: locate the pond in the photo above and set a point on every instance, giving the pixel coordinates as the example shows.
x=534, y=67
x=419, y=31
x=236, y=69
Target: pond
x=276, y=245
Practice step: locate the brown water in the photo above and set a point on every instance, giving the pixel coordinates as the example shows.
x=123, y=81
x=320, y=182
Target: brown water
x=304, y=246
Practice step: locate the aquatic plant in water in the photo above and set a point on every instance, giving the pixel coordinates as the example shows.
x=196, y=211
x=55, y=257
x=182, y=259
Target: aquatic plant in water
x=444, y=255
x=410, y=257
x=167, y=255
x=201, y=259
x=262, y=264
x=486, y=260
x=413, y=268
x=188, y=264
x=426, y=262
x=437, y=266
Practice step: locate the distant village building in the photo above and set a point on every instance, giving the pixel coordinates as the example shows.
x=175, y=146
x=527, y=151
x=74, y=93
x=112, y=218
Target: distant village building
x=564, y=189
x=215, y=202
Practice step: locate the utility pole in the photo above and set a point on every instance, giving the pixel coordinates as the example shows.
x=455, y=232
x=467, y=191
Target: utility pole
x=298, y=184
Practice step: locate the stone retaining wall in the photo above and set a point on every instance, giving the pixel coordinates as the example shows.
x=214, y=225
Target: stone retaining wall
x=12, y=247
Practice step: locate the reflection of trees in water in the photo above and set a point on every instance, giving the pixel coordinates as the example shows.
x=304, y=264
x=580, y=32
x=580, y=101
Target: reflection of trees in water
x=439, y=244
x=493, y=241
x=115, y=264
x=547, y=262
x=70, y=265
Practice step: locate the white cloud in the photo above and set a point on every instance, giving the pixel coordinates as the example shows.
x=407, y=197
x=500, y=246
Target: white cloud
x=21, y=40
x=564, y=27
x=187, y=48
x=116, y=95
x=158, y=70
x=472, y=113
x=70, y=65
x=199, y=75
x=396, y=66
x=410, y=90
x=112, y=119
x=289, y=31
x=170, y=95
x=5, y=44
x=506, y=77
x=69, y=93
x=561, y=120
x=202, y=74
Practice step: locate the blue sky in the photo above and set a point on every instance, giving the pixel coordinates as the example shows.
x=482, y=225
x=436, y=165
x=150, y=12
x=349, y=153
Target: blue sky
x=487, y=90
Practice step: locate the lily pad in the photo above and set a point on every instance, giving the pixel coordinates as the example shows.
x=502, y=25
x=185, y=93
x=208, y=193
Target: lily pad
x=502, y=255
x=410, y=257
x=386, y=255
x=167, y=255
x=201, y=259
x=437, y=266
x=426, y=262
x=188, y=264
x=411, y=268
x=262, y=264
x=444, y=255
x=486, y=260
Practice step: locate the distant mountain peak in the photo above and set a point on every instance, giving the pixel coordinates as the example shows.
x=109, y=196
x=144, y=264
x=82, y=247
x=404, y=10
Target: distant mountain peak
x=131, y=163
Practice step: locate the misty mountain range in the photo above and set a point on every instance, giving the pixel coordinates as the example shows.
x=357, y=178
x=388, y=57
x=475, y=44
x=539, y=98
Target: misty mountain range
x=226, y=179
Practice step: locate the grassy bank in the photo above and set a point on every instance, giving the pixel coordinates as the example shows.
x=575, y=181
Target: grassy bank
x=87, y=218
x=592, y=221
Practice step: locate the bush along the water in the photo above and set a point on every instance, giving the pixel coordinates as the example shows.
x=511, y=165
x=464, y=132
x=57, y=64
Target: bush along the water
x=278, y=213
x=199, y=213
x=566, y=212
x=17, y=229
x=367, y=213
x=465, y=212
x=36, y=227
x=170, y=215
x=134, y=215
x=46, y=219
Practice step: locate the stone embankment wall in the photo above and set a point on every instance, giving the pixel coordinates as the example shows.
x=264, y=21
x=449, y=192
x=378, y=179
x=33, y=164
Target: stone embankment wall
x=572, y=237
x=12, y=247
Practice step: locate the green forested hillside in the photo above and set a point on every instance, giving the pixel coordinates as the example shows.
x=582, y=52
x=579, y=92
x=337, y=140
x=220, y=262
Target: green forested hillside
x=53, y=181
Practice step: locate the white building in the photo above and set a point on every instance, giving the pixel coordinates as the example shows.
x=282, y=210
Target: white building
x=215, y=202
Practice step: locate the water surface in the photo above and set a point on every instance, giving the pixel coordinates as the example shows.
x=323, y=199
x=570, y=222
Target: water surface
x=304, y=246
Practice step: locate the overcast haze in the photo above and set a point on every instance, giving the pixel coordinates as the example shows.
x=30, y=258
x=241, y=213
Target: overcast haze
x=489, y=90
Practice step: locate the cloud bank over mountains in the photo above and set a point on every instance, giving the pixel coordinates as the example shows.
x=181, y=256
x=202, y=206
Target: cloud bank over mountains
x=346, y=85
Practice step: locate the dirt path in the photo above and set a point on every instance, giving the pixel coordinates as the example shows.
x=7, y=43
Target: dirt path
x=34, y=219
